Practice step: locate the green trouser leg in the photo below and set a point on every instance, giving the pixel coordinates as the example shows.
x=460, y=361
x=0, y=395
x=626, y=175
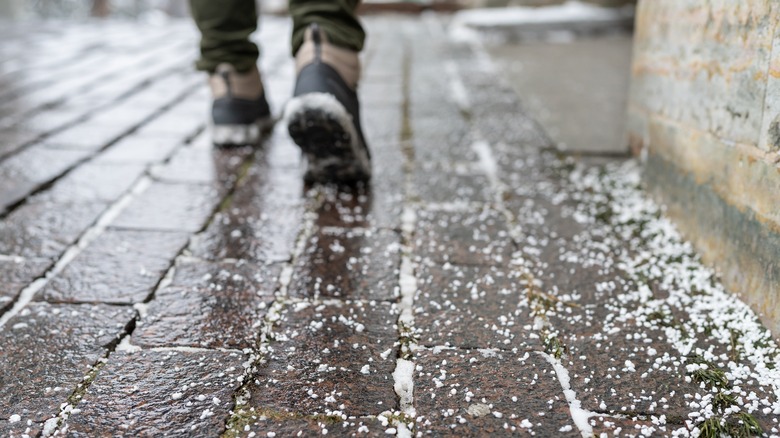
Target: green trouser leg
x=225, y=27
x=336, y=17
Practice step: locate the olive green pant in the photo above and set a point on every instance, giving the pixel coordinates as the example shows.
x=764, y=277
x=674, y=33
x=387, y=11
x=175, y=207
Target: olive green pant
x=226, y=25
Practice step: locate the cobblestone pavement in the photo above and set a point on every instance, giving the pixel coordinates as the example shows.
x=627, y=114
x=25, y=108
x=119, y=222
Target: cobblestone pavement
x=152, y=285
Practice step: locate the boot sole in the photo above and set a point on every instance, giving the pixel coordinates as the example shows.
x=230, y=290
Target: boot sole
x=226, y=136
x=324, y=131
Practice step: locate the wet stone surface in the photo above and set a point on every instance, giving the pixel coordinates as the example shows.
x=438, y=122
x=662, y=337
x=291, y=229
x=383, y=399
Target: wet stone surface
x=93, y=182
x=122, y=267
x=451, y=186
x=630, y=377
x=15, y=275
x=478, y=392
x=44, y=230
x=67, y=340
x=170, y=207
x=204, y=165
x=210, y=305
x=333, y=358
x=21, y=178
x=472, y=307
x=348, y=263
x=156, y=393
x=464, y=238
x=20, y=428
x=86, y=136
x=265, y=423
x=261, y=221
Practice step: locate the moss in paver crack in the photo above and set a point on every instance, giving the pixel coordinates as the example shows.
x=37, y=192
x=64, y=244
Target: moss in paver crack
x=739, y=424
x=244, y=417
x=407, y=340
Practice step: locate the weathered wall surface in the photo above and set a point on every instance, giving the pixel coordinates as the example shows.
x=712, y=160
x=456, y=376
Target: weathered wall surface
x=705, y=108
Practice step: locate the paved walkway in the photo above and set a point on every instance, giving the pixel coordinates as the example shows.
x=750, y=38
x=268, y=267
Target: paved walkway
x=152, y=285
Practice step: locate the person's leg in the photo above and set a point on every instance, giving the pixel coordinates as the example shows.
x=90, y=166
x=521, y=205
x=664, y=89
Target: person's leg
x=240, y=111
x=323, y=117
x=225, y=27
x=336, y=18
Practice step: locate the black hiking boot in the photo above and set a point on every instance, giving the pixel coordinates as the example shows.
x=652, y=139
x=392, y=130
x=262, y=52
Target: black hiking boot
x=323, y=117
x=240, y=112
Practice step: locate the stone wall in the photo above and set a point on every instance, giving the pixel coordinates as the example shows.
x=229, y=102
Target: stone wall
x=704, y=111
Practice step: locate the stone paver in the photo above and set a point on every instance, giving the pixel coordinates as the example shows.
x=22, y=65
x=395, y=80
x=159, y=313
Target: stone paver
x=123, y=267
x=67, y=340
x=348, y=263
x=153, y=285
x=167, y=393
x=210, y=305
x=474, y=392
x=472, y=307
x=333, y=358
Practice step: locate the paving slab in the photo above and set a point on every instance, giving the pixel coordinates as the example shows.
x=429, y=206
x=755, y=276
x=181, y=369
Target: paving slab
x=210, y=305
x=16, y=274
x=476, y=392
x=122, y=267
x=45, y=230
x=170, y=207
x=155, y=393
x=472, y=307
x=333, y=358
x=463, y=237
x=46, y=350
x=349, y=264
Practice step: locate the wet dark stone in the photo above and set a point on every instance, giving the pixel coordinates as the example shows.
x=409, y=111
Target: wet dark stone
x=261, y=222
x=464, y=238
x=475, y=393
x=265, y=423
x=139, y=149
x=605, y=382
x=46, y=350
x=44, y=230
x=160, y=393
x=170, y=207
x=353, y=264
x=331, y=357
x=211, y=305
x=472, y=307
x=15, y=275
x=120, y=266
x=30, y=169
x=93, y=182
x=22, y=428
x=630, y=427
x=448, y=186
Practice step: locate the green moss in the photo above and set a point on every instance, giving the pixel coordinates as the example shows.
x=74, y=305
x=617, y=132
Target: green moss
x=743, y=425
x=554, y=347
x=713, y=427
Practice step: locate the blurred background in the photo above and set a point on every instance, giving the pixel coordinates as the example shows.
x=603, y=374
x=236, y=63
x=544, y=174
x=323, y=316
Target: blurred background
x=144, y=9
